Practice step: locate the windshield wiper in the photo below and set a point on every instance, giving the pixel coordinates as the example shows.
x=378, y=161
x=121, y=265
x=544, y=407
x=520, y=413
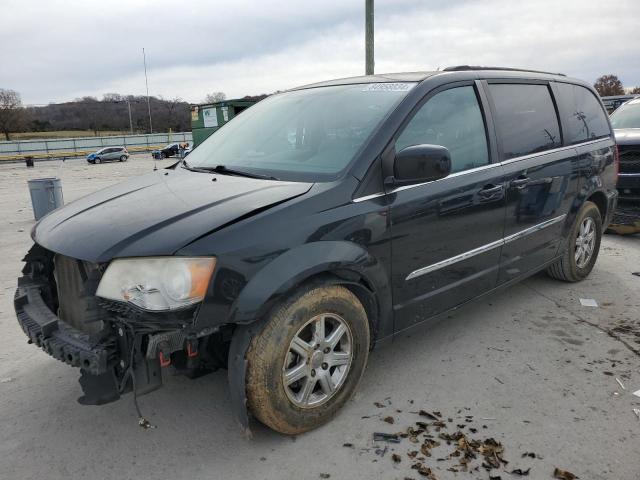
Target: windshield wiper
x=194, y=169
x=224, y=170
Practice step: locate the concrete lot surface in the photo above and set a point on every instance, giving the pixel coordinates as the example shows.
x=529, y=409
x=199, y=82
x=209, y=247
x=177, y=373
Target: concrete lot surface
x=530, y=367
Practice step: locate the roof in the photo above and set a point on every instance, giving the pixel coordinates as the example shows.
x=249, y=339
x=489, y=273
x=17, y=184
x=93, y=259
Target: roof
x=420, y=76
x=379, y=78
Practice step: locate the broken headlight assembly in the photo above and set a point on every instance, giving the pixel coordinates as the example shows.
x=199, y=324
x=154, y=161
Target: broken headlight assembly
x=157, y=283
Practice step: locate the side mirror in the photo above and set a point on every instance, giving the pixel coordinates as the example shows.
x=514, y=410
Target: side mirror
x=421, y=163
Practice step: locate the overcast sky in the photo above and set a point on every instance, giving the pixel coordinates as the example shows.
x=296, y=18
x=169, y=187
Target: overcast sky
x=52, y=50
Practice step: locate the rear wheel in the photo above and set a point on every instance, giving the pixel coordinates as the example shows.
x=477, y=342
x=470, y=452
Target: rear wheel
x=307, y=361
x=123, y=158
x=583, y=246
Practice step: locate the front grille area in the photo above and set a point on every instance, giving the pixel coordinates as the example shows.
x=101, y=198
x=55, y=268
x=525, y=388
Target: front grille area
x=76, y=282
x=629, y=158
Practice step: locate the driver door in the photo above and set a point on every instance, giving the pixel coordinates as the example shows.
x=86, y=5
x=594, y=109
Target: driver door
x=447, y=234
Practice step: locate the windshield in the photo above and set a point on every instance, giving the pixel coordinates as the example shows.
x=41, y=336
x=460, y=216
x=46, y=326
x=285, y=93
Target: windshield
x=304, y=135
x=627, y=116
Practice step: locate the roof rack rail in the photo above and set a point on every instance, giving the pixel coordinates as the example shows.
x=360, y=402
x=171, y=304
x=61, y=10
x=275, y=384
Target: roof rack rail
x=461, y=68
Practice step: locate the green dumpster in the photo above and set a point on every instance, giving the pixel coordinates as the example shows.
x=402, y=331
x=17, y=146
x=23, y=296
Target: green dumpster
x=208, y=117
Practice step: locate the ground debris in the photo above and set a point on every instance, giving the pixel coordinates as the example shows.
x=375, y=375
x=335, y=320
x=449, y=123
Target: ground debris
x=424, y=470
x=144, y=423
x=396, y=458
x=386, y=437
x=563, y=474
x=347, y=445
x=325, y=475
x=521, y=472
x=389, y=420
x=430, y=416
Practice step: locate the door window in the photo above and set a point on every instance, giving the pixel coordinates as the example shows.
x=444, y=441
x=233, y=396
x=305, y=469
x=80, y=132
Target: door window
x=583, y=117
x=526, y=119
x=452, y=119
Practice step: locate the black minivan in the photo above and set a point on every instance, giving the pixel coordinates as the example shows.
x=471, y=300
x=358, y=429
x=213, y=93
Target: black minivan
x=320, y=222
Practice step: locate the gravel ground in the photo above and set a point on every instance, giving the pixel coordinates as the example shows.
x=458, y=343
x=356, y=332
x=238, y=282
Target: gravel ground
x=529, y=367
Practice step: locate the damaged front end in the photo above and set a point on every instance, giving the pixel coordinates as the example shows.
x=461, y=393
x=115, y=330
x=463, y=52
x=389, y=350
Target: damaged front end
x=119, y=347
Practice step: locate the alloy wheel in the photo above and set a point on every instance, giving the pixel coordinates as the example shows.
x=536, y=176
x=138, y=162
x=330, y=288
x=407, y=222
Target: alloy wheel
x=585, y=242
x=318, y=360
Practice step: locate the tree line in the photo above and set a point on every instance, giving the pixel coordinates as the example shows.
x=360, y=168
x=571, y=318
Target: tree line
x=88, y=113
x=111, y=113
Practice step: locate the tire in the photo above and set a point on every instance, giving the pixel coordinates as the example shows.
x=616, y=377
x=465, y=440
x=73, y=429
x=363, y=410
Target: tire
x=162, y=156
x=97, y=160
x=271, y=401
x=123, y=158
x=569, y=268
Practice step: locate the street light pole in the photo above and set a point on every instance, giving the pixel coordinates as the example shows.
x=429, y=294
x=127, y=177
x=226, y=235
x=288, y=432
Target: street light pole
x=146, y=81
x=369, y=62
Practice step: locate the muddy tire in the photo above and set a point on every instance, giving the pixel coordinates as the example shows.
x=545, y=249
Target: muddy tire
x=307, y=361
x=583, y=246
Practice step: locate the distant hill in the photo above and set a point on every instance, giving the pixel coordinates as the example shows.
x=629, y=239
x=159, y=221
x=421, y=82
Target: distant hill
x=109, y=114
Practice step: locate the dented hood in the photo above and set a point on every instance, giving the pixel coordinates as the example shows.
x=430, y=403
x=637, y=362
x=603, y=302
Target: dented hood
x=156, y=214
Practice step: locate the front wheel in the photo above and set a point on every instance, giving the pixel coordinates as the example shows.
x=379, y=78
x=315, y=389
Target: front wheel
x=307, y=361
x=583, y=246
x=97, y=160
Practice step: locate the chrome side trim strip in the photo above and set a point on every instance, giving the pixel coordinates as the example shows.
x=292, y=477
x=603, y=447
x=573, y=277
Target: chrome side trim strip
x=535, y=228
x=484, y=248
x=368, y=197
x=452, y=260
x=629, y=174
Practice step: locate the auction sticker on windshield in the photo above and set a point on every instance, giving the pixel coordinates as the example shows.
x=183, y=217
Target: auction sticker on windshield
x=388, y=87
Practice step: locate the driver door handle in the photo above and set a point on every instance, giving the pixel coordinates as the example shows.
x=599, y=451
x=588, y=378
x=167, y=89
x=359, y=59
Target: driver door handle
x=490, y=190
x=519, y=182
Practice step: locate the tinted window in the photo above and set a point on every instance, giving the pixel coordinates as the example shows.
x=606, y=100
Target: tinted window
x=526, y=118
x=452, y=119
x=583, y=117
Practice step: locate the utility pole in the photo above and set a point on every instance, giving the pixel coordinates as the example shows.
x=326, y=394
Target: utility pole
x=144, y=58
x=368, y=37
x=130, y=121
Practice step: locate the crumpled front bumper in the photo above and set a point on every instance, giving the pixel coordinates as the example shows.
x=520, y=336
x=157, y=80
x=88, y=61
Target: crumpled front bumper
x=53, y=335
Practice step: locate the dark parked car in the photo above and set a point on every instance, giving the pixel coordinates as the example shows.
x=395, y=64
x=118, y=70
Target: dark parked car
x=109, y=154
x=626, y=124
x=285, y=250
x=166, y=151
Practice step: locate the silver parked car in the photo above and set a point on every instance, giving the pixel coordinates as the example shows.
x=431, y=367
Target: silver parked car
x=109, y=154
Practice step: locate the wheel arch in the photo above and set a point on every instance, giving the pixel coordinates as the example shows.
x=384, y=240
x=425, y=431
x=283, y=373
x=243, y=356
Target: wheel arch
x=600, y=199
x=334, y=262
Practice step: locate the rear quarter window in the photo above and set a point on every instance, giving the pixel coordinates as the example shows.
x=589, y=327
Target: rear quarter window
x=583, y=118
x=526, y=118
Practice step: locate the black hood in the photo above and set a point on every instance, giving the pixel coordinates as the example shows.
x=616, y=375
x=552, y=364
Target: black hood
x=627, y=136
x=156, y=214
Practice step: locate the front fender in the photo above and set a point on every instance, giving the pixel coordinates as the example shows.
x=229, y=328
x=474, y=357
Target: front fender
x=298, y=264
x=345, y=259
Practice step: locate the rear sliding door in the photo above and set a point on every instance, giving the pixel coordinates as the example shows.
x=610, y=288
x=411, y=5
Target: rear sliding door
x=541, y=175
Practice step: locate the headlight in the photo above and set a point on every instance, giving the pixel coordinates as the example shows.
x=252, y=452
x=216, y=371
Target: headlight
x=157, y=283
